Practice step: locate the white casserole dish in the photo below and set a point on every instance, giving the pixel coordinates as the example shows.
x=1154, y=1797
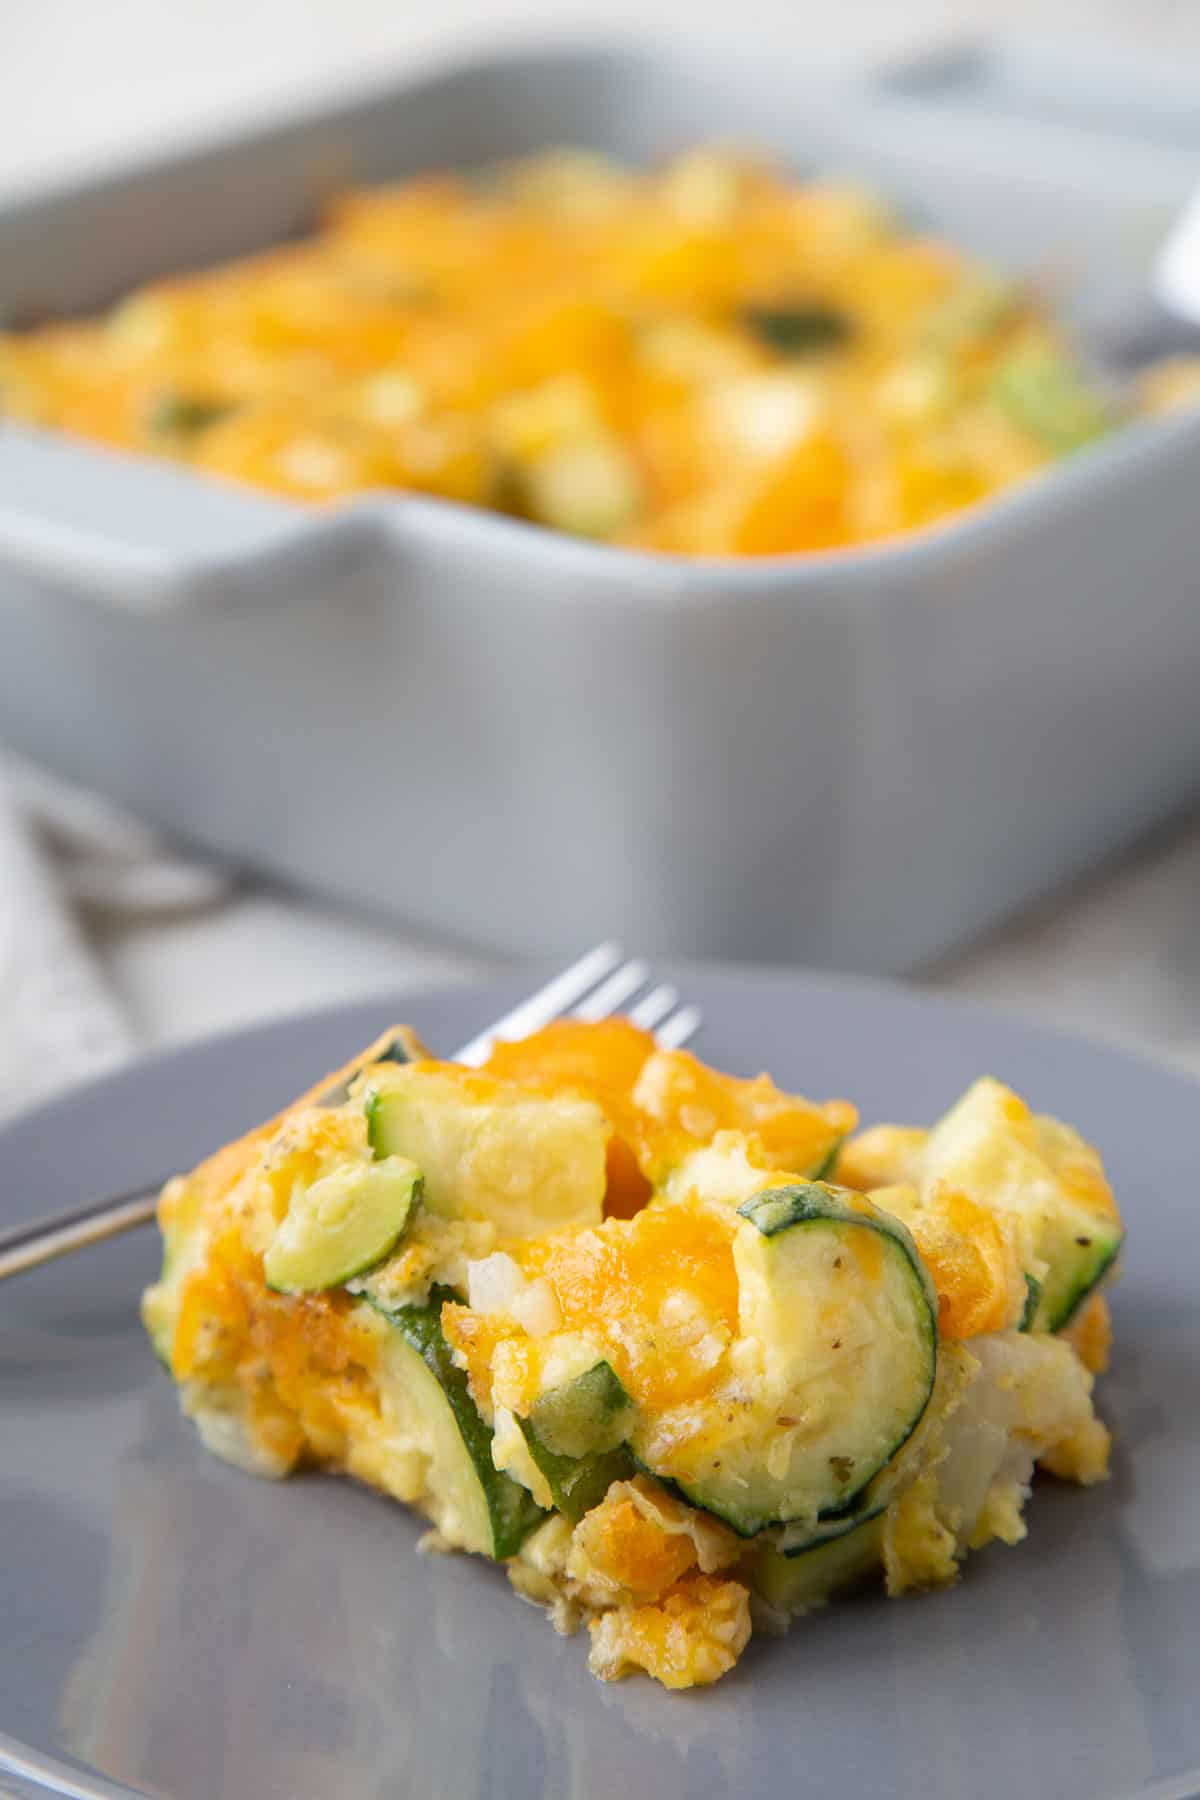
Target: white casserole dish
x=500, y=734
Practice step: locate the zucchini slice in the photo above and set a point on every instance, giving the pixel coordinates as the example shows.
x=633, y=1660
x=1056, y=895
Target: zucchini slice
x=477, y=1507
x=590, y=487
x=799, y=329
x=798, y=1581
x=1045, y=395
x=826, y=1165
x=577, y=1483
x=488, y=1149
x=342, y=1225
x=1042, y=1175
x=841, y=1312
x=575, y=1433
x=579, y=1418
x=179, y=415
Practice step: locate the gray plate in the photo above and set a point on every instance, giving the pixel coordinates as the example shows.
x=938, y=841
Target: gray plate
x=171, y=1627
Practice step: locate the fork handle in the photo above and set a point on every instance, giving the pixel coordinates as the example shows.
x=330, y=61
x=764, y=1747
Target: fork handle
x=30, y=1245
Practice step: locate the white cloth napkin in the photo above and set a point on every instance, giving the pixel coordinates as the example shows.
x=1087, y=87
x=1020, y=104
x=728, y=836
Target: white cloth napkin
x=64, y=850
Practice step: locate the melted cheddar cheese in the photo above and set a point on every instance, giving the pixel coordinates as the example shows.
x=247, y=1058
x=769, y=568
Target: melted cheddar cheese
x=709, y=358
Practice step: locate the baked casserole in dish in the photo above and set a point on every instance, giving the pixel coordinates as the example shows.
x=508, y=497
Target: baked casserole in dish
x=708, y=358
x=857, y=755
x=684, y=1353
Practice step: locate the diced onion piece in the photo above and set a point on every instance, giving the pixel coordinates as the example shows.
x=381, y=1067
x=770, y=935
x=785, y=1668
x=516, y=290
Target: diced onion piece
x=493, y=1283
x=704, y=186
x=392, y=397
x=766, y=415
x=591, y=489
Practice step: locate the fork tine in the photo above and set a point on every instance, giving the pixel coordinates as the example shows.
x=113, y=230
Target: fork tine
x=650, y=1012
x=550, y=1002
x=674, y=1032
x=608, y=996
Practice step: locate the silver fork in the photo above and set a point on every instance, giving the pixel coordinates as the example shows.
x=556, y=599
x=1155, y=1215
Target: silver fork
x=600, y=984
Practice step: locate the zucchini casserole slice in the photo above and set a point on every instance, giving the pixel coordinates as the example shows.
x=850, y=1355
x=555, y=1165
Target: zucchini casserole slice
x=676, y=1348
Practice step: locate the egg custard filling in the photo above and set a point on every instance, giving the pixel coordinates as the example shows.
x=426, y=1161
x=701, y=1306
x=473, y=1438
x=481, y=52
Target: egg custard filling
x=680, y=1350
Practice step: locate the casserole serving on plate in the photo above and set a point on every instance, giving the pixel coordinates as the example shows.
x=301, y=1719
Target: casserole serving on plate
x=190, y=1631
x=658, y=1340
x=856, y=754
x=703, y=357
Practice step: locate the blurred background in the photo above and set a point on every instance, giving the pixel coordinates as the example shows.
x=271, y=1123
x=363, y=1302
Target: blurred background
x=82, y=83
x=114, y=938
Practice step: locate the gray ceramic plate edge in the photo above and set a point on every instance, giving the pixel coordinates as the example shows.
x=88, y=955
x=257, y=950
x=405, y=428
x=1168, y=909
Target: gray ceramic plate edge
x=1100, y=1603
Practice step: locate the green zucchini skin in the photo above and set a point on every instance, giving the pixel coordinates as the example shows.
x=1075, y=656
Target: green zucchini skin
x=1017, y=1171
x=512, y=1511
x=841, y=1529
x=185, y=416
x=1086, y=1287
x=577, y=1483
x=798, y=330
x=1033, y=1299
x=828, y=1162
x=831, y=1527
x=797, y=1581
x=585, y=1417
x=772, y=1211
x=402, y=1048
x=575, y=1433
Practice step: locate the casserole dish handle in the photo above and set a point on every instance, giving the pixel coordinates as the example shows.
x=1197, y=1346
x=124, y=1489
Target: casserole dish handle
x=149, y=536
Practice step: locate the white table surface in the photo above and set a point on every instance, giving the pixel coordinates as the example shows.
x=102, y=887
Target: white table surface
x=85, y=85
